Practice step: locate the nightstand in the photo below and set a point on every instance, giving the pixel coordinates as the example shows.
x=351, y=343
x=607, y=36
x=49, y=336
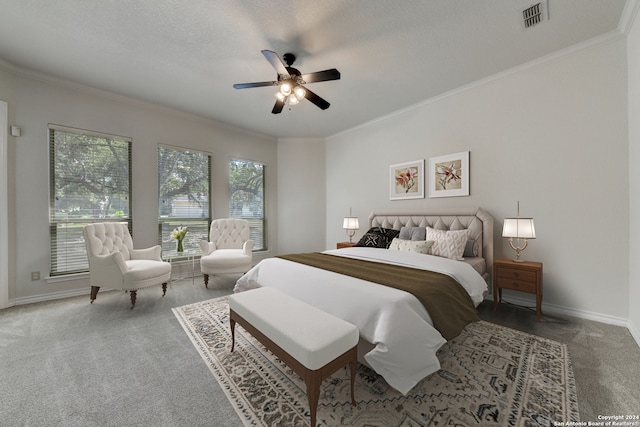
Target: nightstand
x=525, y=276
x=341, y=245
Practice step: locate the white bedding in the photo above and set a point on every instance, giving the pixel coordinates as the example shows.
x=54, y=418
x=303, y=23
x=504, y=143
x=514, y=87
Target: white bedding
x=395, y=322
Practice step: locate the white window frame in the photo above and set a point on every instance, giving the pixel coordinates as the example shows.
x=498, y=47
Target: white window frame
x=167, y=223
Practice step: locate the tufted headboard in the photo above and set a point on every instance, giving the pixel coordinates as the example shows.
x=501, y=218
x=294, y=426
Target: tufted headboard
x=475, y=219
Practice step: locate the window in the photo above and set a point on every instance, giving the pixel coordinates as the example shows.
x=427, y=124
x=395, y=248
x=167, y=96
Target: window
x=90, y=176
x=246, y=179
x=183, y=181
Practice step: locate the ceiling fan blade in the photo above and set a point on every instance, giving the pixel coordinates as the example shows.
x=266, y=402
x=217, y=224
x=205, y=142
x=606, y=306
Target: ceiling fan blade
x=275, y=62
x=321, y=76
x=321, y=103
x=277, y=108
x=257, y=84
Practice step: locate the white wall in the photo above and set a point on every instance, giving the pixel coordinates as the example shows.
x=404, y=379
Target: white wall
x=633, y=57
x=36, y=102
x=301, y=190
x=551, y=134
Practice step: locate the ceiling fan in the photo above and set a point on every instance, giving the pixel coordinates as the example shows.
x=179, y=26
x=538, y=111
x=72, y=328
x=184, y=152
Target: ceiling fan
x=292, y=82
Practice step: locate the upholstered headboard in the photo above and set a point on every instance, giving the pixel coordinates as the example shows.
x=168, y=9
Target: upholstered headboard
x=478, y=221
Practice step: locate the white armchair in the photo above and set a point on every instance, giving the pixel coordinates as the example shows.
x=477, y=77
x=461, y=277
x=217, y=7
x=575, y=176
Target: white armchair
x=114, y=264
x=229, y=249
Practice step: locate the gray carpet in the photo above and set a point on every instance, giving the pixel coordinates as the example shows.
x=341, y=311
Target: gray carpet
x=67, y=362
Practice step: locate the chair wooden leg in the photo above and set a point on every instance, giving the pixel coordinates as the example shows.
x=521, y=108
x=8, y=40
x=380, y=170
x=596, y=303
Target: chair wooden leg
x=206, y=280
x=164, y=288
x=133, y=298
x=94, y=293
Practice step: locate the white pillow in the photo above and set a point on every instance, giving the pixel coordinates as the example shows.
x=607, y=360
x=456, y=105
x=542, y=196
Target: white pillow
x=416, y=246
x=448, y=243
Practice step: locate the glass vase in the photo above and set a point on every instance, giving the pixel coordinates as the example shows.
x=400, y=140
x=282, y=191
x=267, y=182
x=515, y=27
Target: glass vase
x=180, y=248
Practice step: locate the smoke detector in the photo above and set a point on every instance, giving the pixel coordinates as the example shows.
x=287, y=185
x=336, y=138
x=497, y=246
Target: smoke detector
x=535, y=14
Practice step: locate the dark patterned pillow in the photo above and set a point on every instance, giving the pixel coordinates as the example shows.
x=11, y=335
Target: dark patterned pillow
x=378, y=237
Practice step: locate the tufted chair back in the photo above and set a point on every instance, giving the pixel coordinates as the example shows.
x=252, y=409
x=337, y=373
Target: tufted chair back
x=229, y=233
x=107, y=238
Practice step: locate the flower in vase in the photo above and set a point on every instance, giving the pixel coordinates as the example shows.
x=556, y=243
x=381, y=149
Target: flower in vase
x=179, y=233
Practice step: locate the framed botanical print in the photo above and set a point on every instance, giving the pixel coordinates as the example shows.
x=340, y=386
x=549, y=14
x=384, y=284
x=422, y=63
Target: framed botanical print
x=449, y=175
x=406, y=180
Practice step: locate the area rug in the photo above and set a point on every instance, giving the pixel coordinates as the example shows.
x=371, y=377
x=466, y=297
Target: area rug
x=490, y=376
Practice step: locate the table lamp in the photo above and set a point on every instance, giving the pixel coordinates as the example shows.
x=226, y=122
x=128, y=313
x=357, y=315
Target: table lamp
x=521, y=229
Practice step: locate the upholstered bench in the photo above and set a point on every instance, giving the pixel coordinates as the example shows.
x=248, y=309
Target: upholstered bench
x=313, y=343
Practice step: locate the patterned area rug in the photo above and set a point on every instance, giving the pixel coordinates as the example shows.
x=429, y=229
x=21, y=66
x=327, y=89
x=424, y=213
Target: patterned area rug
x=490, y=376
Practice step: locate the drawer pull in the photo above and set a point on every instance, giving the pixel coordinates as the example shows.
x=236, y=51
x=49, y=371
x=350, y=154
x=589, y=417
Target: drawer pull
x=516, y=285
x=516, y=274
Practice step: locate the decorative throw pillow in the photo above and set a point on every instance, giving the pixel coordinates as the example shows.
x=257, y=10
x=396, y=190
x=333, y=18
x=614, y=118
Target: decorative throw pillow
x=448, y=244
x=413, y=233
x=471, y=249
x=378, y=237
x=416, y=246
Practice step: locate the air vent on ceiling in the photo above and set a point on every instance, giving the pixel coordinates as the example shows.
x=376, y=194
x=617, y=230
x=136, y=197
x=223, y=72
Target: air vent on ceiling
x=534, y=14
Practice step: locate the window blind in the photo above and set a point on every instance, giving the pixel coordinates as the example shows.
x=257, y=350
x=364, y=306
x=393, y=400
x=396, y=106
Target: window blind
x=90, y=181
x=246, y=182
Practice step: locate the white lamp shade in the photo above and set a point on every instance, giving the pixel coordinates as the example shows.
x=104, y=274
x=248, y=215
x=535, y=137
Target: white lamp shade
x=520, y=228
x=350, y=223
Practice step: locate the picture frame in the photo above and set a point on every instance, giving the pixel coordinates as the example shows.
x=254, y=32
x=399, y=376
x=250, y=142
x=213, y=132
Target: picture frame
x=449, y=175
x=406, y=180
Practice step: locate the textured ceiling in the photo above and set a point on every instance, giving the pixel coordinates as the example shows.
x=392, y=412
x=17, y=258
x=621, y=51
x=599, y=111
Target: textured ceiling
x=188, y=54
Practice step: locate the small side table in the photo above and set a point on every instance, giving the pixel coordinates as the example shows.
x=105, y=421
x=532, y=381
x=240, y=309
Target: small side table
x=525, y=276
x=341, y=245
x=189, y=254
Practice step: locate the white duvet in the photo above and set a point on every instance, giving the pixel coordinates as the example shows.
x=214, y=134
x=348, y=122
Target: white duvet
x=395, y=322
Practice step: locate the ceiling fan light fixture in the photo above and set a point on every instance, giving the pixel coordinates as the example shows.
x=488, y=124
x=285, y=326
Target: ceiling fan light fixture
x=299, y=92
x=280, y=96
x=285, y=88
x=293, y=100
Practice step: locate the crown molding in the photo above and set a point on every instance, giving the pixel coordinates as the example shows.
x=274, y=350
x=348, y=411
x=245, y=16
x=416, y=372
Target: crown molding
x=628, y=17
x=609, y=37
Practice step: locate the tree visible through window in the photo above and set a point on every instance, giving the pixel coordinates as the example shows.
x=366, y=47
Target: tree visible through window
x=246, y=179
x=184, y=178
x=90, y=175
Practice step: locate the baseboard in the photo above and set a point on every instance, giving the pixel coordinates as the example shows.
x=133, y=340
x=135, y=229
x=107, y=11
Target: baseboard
x=572, y=312
x=50, y=296
x=634, y=332
x=83, y=291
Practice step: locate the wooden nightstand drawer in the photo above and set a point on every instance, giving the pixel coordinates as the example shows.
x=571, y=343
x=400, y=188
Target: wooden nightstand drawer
x=512, y=273
x=518, y=285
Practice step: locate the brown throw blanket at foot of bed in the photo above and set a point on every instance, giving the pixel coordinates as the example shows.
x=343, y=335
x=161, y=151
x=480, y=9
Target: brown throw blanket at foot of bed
x=446, y=301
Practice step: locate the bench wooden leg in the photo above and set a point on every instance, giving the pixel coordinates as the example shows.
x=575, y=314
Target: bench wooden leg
x=353, y=367
x=232, y=323
x=313, y=380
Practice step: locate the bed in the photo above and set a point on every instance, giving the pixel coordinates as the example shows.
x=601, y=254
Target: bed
x=397, y=335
